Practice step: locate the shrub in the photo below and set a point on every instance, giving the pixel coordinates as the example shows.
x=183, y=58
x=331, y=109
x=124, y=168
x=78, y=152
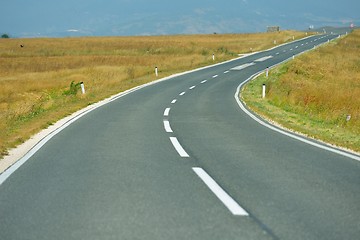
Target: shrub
x=73, y=89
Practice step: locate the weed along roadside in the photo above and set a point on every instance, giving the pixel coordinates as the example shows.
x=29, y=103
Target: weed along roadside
x=41, y=81
x=316, y=94
x=74, y=87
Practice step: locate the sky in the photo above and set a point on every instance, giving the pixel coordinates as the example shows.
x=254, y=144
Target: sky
x=62, y=18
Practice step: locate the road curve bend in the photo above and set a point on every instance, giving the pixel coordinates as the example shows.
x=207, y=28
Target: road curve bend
x=180, y=159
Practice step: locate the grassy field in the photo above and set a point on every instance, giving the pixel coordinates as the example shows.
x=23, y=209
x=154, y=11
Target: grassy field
x=39, y=77
x=317, y=94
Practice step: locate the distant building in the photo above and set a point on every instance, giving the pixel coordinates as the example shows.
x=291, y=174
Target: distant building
x=273, y=29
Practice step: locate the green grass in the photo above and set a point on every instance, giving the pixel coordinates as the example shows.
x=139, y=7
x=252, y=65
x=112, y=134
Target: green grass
x=36, y=79
x=314, y=93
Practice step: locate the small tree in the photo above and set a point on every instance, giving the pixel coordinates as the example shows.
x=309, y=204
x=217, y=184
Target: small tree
x=5, y=36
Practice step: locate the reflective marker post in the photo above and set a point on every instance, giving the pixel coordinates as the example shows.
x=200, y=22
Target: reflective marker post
x=82, y=87
x=263, y=90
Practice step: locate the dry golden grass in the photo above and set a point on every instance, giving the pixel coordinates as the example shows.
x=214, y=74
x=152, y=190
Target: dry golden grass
x=316, y=92
x=35, y=78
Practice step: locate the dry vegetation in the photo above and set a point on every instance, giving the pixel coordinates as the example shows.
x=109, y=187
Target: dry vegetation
x=35, y=74
x=315, y=93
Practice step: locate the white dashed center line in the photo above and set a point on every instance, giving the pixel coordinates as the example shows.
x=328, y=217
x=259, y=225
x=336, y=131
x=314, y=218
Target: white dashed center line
x=166, y=112
x=167, y=126
x=226, y=72
x=241, y=67
x=192, y=87
x=263, y=59
x=173, y=101
x=203, y=81
x=225, y=198
x=181, y=94
x=178, y=147
x=215, y=76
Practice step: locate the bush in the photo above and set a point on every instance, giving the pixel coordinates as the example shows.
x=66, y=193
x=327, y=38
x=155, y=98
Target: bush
x=74, y=87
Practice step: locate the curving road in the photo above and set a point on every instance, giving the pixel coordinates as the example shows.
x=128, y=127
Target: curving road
x=181, y=160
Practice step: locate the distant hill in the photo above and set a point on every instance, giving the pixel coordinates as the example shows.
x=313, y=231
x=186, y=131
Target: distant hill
x=330, y=29
x=64, y=18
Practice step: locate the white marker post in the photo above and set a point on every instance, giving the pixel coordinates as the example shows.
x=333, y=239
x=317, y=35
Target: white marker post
x=263, y=90
x=213, y=57
x=267, y=72
x=156, y=71
x=82, y=87
x=348, y=117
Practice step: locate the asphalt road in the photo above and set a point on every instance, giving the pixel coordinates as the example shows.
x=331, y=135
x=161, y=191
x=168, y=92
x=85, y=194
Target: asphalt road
x=180, y=160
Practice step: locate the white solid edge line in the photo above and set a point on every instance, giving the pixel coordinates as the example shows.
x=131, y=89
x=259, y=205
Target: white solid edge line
x=6, y=174
x=302, y=139
x=77, y=115
x=12, y=168
x=167, y=112
x=263, y=59
x=178, y=147
x=225, y=198
x=167, y=126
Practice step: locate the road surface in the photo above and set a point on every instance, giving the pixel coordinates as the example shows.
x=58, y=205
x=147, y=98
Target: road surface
x=181, y=160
